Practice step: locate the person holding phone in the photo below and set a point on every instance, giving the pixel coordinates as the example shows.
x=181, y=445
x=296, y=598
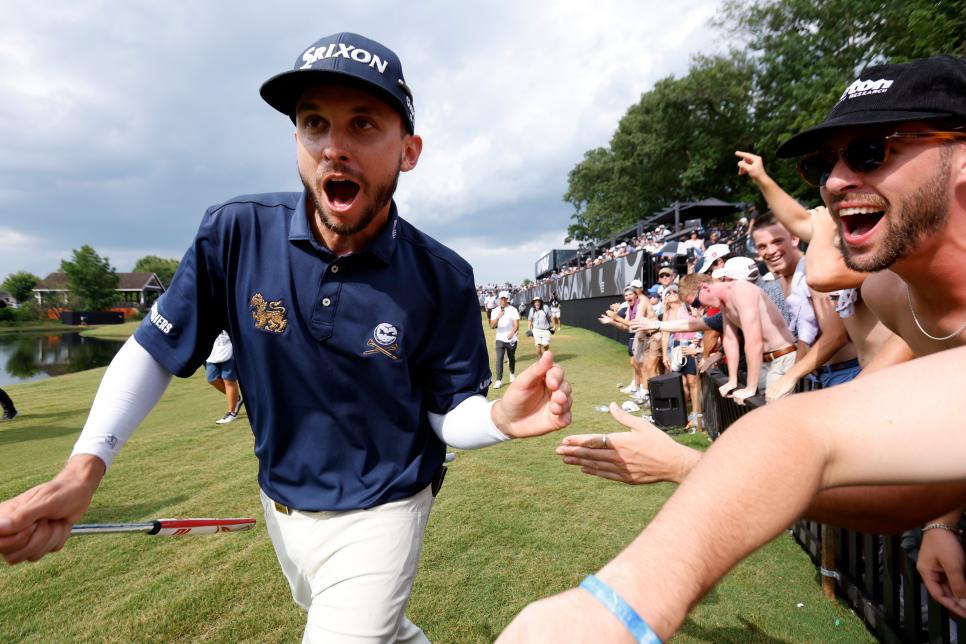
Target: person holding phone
x=506, y=320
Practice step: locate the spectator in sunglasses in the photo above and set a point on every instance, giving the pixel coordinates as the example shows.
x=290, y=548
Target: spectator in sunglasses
x=826, y=272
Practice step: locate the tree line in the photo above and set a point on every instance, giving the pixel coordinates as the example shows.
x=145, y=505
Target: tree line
x=91, y=280
x=794, y=59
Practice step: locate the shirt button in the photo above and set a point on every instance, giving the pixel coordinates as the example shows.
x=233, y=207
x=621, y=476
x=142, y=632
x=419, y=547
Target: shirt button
x=334, y=269
x=326, y=301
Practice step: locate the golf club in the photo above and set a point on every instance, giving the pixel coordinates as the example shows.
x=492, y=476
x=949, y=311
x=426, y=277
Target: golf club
x=166, y=527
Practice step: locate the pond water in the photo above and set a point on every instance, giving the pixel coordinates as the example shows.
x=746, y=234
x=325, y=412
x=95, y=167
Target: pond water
x=26, y=357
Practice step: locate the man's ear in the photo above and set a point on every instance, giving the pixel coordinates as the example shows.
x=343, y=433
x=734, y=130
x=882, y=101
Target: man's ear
x=412, y=148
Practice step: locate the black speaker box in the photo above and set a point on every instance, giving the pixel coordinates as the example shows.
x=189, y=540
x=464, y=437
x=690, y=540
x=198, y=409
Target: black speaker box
x=668, y=405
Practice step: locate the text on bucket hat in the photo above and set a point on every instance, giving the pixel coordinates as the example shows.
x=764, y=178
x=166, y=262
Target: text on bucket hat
x=922, y=90
x=344, y=58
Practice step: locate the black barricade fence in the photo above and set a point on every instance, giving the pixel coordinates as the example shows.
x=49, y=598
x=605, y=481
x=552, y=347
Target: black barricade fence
x=875, y=573
x=605, y=281
x=91, y=317
x=586, y=313
x=609, y=278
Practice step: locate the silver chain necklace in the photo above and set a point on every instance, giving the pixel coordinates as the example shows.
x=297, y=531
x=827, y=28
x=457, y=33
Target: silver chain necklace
x=922, y=330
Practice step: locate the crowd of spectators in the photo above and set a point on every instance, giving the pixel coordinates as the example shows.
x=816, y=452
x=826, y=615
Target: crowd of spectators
x=733, y=232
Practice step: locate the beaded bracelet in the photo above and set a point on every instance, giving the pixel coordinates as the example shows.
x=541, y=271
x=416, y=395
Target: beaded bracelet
x=621, y=609
x=943, y=526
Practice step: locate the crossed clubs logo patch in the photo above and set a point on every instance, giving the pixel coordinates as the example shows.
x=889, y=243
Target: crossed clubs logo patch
x=384, y=340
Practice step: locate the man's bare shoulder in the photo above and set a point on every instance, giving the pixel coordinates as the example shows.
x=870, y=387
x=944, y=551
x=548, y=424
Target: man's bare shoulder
x=741, y=286
x=745, y=291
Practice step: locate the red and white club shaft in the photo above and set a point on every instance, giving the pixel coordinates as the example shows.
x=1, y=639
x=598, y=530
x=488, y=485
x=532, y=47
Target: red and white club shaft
x=167, y=527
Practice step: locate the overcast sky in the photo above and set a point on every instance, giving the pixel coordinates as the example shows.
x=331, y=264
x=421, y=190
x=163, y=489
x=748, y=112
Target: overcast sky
x=120, y=122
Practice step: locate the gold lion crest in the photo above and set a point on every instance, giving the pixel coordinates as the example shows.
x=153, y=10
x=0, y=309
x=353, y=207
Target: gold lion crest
x=268, y=316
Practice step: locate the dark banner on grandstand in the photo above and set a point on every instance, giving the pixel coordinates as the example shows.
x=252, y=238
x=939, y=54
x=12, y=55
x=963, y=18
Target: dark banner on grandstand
x=608, y=279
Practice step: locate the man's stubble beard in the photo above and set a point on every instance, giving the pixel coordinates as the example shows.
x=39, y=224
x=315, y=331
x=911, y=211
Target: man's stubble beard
x=381, y=198
x=919, y=216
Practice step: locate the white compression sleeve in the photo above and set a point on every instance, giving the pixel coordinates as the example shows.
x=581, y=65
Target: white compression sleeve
x=131, y=387
x=469, y=425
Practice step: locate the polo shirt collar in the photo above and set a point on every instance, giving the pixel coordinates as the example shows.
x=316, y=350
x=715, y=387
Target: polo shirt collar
x=382, y=246
x=299, y=228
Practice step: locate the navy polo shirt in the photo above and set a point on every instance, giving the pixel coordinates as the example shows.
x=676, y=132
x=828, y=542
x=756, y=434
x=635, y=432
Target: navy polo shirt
x=339, y=358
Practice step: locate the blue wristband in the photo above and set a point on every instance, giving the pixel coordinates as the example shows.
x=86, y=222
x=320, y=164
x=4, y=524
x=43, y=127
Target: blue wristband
x=621, y=609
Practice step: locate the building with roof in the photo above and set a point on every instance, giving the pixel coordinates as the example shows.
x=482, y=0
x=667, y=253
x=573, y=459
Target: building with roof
x=133, y=289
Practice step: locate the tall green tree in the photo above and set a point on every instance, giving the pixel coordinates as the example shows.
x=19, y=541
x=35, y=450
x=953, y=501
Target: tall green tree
x=805, y=53
x=794, y=61
x=676, y=144
x=91, y=279
x=162, y=267
x=20, y=284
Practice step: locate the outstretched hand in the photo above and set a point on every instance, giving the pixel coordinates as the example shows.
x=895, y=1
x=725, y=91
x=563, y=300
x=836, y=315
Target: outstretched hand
x=645, y=324
x=538, y=402
x=38, y=521
x=643, y=455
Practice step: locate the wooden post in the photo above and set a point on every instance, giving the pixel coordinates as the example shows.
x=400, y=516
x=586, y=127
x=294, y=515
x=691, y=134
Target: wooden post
x=828, y=560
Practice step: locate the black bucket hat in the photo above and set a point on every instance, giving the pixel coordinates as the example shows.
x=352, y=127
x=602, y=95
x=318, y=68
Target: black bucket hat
x=927, y=89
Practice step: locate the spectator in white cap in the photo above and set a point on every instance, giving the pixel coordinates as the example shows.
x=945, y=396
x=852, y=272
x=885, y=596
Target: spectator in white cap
x=740, y=268
x=714, y=258
x=506, y=320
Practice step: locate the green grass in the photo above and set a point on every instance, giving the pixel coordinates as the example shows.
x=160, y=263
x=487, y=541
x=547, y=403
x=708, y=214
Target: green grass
x=112, y=331
x=511, y=524
x=38, y=326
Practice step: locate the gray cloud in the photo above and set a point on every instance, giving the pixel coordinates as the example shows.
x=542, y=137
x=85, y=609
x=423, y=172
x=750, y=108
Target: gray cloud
x=121, y=123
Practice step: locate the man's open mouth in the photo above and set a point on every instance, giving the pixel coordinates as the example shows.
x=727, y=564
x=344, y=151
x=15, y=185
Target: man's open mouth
x=858, y=223
x=340, y=192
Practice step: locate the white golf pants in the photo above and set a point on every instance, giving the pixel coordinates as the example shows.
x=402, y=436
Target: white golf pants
x=353, y=571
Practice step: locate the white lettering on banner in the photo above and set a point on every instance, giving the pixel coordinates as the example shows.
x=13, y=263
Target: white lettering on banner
x=160, y=321
x=866, y=88
x=313, y=55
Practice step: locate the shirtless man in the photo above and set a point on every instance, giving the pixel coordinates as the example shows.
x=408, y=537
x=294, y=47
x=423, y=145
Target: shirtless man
x=769, y=345
x=823, y=341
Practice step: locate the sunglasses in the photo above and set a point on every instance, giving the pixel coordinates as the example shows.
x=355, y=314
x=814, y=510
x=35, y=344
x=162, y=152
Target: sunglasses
x=864, y=154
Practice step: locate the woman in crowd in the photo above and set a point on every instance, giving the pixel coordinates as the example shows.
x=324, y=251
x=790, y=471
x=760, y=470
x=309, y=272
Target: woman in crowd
x=539, y=322
x=554, y=313
x=680, y=350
